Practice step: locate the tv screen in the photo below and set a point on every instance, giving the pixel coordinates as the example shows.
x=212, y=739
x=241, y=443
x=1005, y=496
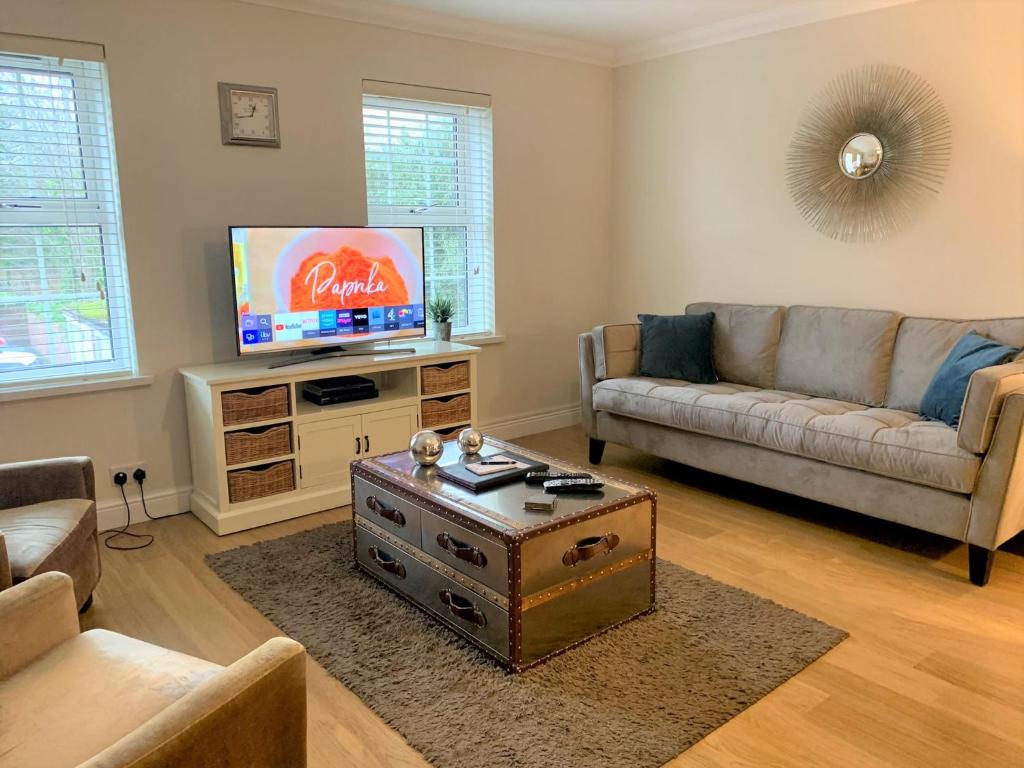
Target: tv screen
x=309, y=287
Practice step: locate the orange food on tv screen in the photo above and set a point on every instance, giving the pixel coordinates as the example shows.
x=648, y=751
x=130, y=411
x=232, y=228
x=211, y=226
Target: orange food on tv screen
x=313, y=285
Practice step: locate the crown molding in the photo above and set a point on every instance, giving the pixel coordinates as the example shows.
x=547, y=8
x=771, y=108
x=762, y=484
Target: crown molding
x=486, y=33
x=751, y=25
x=455, y=27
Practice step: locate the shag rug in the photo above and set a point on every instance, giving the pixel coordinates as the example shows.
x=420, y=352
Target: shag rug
x=636, y=696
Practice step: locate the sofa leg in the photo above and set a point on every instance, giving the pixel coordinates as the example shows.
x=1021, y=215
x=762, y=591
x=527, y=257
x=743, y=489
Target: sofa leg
x=980, y=563
x=596, y=450
x=86, y=605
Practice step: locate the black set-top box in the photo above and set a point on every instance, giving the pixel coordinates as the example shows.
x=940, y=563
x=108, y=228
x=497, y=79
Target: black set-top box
x=340, y=389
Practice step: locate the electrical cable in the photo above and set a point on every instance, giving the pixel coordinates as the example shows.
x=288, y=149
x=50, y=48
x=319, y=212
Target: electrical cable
x=123, y=531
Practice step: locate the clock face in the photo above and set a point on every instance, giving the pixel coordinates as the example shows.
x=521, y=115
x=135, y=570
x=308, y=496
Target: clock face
x=252, y=115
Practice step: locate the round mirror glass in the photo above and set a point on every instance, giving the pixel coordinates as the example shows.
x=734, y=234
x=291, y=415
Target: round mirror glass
x=861, y=156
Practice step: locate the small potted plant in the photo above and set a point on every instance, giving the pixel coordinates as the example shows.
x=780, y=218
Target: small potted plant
x=441, y=310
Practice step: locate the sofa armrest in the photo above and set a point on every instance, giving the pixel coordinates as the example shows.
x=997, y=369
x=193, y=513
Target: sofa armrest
x=6, y=579
x=997, y=506
x=616, y=350
x=983, y=403
x=35, y=616
x=252, y=714
x=31, y=482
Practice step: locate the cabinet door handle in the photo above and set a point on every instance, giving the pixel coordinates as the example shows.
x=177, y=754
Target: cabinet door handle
x=461, y=550
x=388, y=513
x=366, y=443
x=358, y=446
x=590, y=547
x=387, y=563
x=462, y=608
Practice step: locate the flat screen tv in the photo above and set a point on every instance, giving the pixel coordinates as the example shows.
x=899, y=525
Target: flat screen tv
x=309, y=288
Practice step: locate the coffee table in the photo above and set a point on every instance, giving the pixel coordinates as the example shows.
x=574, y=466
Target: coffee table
x=521, y=585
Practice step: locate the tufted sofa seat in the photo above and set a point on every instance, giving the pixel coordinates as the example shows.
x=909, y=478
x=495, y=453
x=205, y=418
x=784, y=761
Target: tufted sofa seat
x=822, y=402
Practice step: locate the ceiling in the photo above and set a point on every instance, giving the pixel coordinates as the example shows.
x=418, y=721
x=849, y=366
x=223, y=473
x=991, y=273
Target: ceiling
x=608, y=32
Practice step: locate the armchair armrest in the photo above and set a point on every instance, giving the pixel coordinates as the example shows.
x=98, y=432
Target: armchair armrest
x=983, y=403
x=30, y=482
x=253, y=714
x=616, y=350
x=35, y=616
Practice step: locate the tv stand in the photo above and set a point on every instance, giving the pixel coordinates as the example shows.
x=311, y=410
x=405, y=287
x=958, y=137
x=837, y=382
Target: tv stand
x=329, y=352
x=261, y=453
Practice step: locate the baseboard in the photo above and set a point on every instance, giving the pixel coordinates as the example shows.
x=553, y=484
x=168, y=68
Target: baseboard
x=531, y=423
x=171, y=501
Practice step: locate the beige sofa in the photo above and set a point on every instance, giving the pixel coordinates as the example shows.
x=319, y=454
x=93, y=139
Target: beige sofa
x=102, y=700
x=822, y=402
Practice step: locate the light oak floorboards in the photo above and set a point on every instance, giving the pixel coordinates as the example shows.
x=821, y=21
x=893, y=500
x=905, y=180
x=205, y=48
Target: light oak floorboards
x=932, y=674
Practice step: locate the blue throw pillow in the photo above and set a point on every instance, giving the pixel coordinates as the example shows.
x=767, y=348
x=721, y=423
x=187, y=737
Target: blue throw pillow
x=677, y=347
x=944, y=398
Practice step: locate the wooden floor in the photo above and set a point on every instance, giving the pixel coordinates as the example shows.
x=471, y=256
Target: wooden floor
x=932, y=674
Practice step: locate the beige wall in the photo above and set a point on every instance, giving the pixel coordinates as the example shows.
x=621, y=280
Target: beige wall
x=181, y=188
x=701, y=211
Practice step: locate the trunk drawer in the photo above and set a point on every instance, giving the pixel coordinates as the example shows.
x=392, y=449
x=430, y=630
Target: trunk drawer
x=394, y=514
x=478, y=557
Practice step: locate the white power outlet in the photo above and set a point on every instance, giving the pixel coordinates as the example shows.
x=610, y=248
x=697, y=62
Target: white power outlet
x=128, y=469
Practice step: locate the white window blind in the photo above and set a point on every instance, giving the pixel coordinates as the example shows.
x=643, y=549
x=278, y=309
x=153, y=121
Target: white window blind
x=64, y=305
x=428, y=164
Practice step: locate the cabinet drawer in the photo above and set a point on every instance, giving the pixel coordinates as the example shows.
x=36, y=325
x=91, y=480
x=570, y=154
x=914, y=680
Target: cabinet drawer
x=395, y=515
x=456, y=606
x=482, y=559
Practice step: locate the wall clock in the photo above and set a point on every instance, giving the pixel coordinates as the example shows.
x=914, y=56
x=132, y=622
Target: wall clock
x=248, y=115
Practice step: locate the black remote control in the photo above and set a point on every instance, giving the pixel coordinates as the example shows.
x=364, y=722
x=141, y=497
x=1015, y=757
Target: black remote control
x=578, y=485
x=539, y=478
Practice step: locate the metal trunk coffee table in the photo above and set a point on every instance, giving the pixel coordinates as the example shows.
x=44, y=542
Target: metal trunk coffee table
x=521, y=585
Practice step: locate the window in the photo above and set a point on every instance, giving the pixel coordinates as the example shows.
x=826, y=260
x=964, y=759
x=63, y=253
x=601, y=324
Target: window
x=428, y=164
x=64, y=304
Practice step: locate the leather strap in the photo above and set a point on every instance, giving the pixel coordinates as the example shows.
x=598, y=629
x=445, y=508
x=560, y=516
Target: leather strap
x=387, y=563
x=462, y=608
x=589, y=547
x=461, y=550
x=388, y=513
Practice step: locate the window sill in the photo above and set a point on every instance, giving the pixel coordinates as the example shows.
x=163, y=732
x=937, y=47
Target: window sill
x=479, y=339
x=69, y=387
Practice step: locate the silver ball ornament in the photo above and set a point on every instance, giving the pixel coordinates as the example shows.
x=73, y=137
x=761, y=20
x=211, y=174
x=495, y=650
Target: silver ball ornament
x=426, y=447
x=471, y=441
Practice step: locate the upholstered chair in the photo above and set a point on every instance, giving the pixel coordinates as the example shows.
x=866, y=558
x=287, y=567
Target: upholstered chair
x=98, y=699
x=48, y=523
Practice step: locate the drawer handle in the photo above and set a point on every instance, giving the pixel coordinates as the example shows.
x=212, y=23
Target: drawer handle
x=590, y=547
x=388, y=513
x=461, y=550
x=387, y=563
x=462, y=608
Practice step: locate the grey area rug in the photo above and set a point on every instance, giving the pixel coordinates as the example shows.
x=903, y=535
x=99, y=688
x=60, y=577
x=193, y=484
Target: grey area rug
x=636, y=696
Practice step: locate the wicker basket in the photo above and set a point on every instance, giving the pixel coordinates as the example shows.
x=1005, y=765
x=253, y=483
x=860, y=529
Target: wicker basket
x=257, y=482
x=444, y=378
x=246, y=405
x=446, y=411
x=258, y=443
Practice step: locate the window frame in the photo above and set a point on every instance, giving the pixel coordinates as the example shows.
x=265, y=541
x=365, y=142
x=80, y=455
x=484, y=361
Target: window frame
x=92, y=210
x=475, y=215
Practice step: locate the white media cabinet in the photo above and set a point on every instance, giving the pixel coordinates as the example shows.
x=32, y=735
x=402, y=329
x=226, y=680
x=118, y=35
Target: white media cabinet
x=312, y=445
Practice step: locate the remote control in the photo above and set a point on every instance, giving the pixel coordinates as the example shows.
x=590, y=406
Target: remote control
x=578, y=485
x=539, y=478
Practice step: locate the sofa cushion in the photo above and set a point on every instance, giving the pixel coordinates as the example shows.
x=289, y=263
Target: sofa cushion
x=677, y=347
x=616, y=350
x=880, y=440
x=745, y=341
x=922, y=344
x=37, y=535
x=48, y=709
x=837, y=353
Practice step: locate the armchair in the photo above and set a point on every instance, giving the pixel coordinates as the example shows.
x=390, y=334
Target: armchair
x=102, y=700
x=48, y=523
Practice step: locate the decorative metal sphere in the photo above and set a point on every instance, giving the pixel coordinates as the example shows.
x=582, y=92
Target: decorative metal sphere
x=426, y=447
x=471, y=440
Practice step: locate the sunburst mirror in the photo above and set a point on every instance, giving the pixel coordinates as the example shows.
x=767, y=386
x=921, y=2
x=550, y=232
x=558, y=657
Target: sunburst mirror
x=870, y=148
